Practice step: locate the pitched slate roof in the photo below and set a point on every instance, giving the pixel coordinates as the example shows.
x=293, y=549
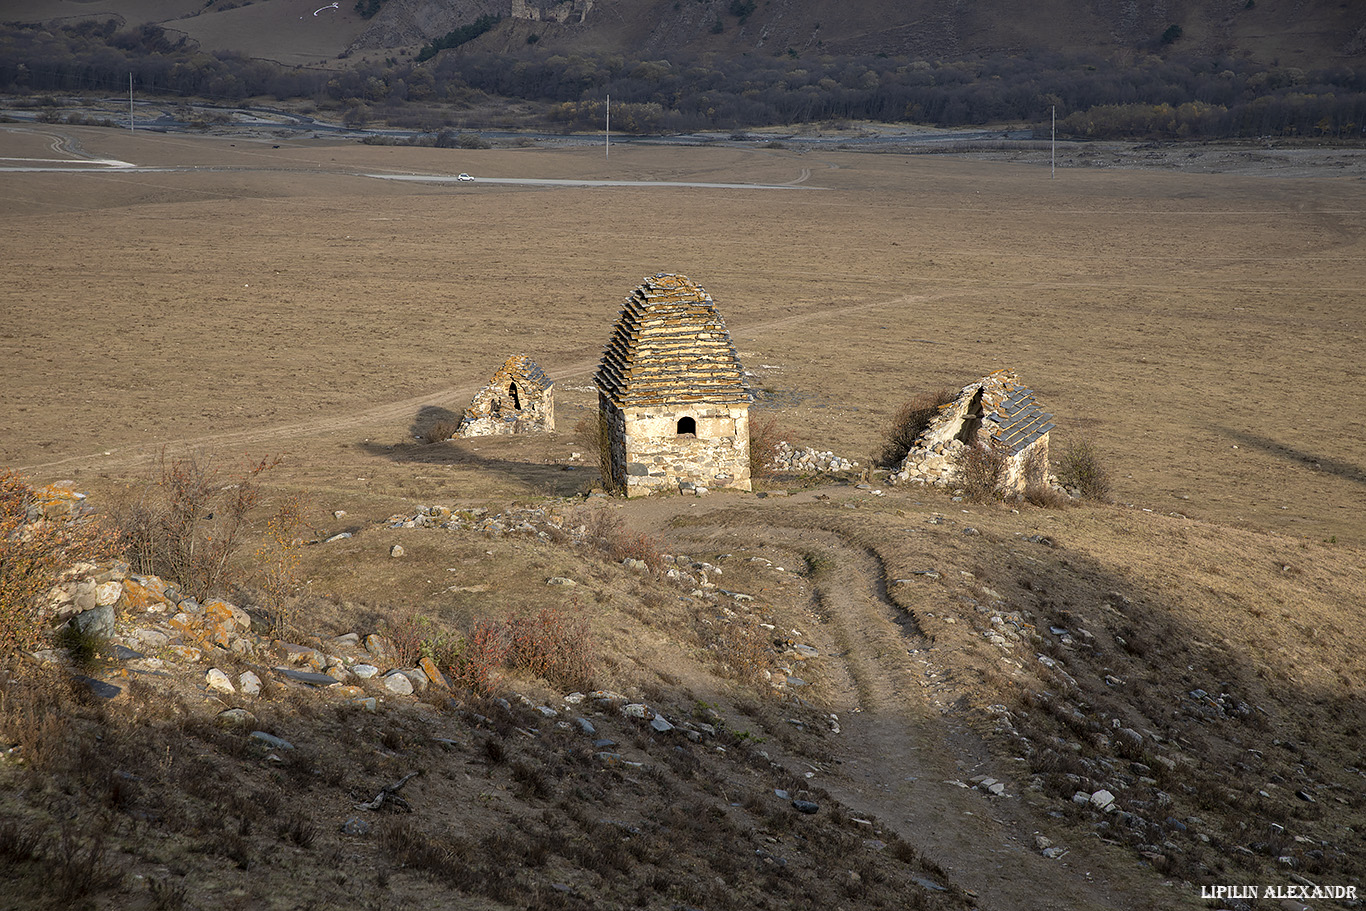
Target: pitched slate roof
x=524, y=372
x=1016, y=417
x=671, y=347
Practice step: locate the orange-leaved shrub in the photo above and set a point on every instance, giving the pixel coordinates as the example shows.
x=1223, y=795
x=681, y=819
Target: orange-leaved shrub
x=34, y=551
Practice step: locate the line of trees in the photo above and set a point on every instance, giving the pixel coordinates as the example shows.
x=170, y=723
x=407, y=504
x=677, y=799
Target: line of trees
x=1143, y=97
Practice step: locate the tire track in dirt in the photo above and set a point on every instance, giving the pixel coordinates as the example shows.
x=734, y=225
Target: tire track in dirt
x=899, y=752
x=143, y=453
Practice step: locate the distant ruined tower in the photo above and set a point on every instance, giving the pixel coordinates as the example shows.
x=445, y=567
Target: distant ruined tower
x=672, y=395
x=519, y=398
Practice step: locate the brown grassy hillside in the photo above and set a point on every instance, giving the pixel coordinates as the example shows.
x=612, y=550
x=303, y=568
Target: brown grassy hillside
x=1308, y=34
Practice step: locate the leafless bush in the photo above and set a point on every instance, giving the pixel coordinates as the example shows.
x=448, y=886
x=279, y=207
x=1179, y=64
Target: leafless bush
x=765, y=434
x=981, y=471
x=609, y=535
x=1080, y=466
x=588, y=433
x=1037, y=490
x=743, y=649
x=909, y=422
x=553, y=645
x=278, y=559
x=190, y=522
x=443, y=430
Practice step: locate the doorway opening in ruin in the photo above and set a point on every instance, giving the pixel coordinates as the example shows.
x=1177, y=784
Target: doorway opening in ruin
x=972, y=422
x=516, y=400
x=688, y=426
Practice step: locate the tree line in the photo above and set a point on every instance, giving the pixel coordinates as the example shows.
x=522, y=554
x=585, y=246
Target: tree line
x=1134, y=96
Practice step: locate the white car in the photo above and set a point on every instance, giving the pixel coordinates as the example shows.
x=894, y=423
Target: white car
x=464, y=177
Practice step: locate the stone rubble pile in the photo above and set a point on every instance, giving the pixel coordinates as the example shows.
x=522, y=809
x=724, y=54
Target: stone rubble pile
x=789, y=458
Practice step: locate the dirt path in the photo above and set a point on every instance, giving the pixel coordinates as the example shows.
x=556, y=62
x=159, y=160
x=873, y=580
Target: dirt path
x=904, y=754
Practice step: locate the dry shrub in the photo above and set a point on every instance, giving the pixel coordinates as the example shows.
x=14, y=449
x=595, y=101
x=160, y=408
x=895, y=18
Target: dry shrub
x=1080, y=466
x=34, y=551
x=553, y=645
x=190, y=521
x=278, y=559
x=549, y=644
x=475, y=665
x=406, y=631
x=1038, y=491
x=909, y=422
x=981, y=472
x=442, y=430
x=764, y=436
x=607, y=532
x=588, y=433
x=744, y=650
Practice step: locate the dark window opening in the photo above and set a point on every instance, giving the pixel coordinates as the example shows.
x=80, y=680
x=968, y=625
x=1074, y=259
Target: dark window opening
x=687, y=425
x=516, y=401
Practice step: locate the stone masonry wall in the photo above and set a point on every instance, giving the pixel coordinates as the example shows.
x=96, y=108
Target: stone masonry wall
x=658, y=458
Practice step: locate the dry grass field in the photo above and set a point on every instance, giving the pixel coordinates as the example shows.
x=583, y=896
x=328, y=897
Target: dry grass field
x=1203, y=330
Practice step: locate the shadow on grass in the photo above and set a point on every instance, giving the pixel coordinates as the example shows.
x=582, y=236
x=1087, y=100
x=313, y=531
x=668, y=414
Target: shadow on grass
x=1345, y=470
x=543, y=478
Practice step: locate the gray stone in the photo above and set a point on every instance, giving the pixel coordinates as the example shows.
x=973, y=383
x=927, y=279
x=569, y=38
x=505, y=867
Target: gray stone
x=637, y=710
x=235, y=718
x=805, y=806
x=270, y=740
x=378, y=646
x=340, y=536
x=347, y=640
x=1102, y=800
x=416, y=676
x=364, y=671
x=561, y=580
x=301, y=655
x=108, y=593
x=309, y=677
x=250, y=683
x=586, y=726
x=219, y=682
x=149, y=638
x=660, y=725
x=99, y=687
x=98, y=621
x=354, y=825
x=397, y=683
x=397, y=551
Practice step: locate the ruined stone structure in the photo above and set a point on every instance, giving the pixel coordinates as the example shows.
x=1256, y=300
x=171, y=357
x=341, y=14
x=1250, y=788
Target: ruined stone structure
x=672, y=395
x=518, y=399
x=995, y=411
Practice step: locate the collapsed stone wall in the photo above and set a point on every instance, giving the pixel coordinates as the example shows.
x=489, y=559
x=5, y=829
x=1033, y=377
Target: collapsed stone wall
x=996, y=411
x=519, y=398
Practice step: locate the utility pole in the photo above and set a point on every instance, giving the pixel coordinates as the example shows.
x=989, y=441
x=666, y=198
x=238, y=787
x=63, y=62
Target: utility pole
x=607, y=134
x=1053, y=154
x=130, y=102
